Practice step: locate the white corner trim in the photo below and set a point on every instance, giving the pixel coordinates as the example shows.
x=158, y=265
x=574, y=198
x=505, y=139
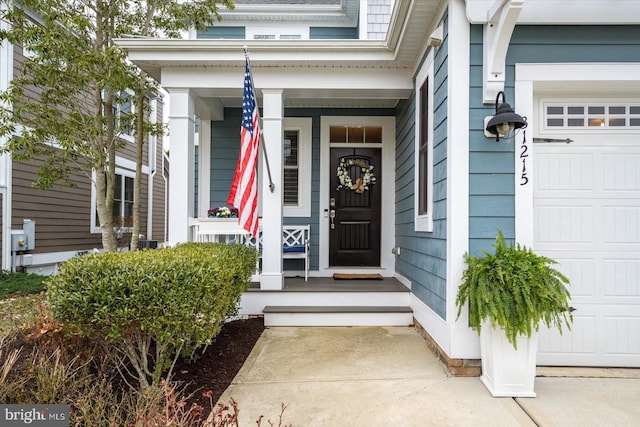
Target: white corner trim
x=457, y=158
x=497, y=37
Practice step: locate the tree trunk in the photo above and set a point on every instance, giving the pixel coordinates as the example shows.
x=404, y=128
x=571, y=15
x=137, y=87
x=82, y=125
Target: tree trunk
x=106, y=177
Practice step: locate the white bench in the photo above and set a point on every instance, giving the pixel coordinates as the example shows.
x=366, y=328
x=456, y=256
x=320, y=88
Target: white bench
x=295, y=238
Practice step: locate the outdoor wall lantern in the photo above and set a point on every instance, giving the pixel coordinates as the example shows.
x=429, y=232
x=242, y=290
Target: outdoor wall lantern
x=504, y=122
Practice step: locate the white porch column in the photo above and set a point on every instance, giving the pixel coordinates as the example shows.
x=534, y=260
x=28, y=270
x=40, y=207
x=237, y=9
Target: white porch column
x=181, y=166
x=273, y=111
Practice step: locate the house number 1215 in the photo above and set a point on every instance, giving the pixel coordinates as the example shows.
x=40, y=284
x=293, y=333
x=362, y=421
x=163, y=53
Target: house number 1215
x=524, y=179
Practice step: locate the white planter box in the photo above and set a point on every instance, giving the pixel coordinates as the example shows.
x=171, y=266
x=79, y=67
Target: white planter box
x=507, y=372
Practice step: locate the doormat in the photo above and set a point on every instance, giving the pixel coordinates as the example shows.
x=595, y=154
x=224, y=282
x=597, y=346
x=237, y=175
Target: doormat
x=346, y=276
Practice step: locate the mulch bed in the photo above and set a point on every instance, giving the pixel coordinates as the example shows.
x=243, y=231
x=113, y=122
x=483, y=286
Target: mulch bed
x=217, y=367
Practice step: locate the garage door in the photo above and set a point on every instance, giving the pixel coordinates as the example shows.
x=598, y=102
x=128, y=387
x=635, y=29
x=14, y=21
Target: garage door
x=587, y=217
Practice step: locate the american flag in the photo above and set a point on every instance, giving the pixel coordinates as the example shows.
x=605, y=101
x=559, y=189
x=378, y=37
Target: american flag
x=244, y=188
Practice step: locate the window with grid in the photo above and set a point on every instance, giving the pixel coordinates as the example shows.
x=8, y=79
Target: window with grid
x=291, y=168
x=600, y=115
x=296, y=165
x=122, y=202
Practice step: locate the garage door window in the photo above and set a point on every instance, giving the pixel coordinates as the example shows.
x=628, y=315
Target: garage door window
x=591, y=115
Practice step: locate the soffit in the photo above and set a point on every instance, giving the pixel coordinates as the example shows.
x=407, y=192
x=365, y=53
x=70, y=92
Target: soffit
x=411, y=25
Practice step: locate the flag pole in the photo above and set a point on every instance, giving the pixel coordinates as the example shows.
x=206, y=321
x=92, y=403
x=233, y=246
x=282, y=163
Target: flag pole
x=264, y=149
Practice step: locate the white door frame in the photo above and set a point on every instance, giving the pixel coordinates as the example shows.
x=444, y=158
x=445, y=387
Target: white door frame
x=387, y=219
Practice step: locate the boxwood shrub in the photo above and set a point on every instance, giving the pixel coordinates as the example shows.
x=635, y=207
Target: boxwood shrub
x=153, y=305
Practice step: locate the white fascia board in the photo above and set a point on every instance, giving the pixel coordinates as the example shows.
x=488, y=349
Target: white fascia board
x=155, y=54
x=559, y=12
x=231, y=50
x=381, y=80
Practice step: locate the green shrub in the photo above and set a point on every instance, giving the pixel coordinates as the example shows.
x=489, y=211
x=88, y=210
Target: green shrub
x=153, y=305
x=20, y=283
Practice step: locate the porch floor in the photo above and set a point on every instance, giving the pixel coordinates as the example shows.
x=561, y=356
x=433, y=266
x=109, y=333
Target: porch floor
x=329, y=284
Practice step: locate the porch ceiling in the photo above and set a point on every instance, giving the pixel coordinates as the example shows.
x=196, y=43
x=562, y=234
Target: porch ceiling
x=312, y=73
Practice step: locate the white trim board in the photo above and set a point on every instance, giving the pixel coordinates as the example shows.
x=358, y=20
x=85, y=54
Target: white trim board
x=388, y=123
x=612, y=79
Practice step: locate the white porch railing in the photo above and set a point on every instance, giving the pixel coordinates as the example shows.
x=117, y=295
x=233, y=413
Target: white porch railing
x=295, y=238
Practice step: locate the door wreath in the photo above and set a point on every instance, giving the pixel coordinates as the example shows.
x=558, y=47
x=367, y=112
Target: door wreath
x=362, y=183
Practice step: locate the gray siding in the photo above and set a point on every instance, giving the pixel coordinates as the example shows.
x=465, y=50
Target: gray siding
x=423, y=255
x=491, y=164
x=62, y=214
x=159, y=190
x=225, y=142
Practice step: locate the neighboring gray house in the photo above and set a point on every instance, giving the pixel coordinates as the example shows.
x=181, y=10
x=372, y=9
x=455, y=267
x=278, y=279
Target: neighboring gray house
x=65, y=218
x=413, y=105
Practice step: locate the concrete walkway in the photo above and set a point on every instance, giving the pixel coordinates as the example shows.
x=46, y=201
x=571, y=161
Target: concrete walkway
x=374, y=376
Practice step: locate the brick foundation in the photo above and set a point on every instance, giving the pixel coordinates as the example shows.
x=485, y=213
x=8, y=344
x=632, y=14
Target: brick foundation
x=457, y=367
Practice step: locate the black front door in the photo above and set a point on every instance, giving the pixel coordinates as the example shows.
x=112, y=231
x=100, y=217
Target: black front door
x=354, y=233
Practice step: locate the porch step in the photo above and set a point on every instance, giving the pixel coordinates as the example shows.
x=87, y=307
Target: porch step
x=337, y=316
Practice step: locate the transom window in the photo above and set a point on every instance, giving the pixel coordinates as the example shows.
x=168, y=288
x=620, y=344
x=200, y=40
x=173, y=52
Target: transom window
x=591, y=115
x=355, y=134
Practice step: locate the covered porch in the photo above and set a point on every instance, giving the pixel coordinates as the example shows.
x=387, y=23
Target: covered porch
x=318, y=85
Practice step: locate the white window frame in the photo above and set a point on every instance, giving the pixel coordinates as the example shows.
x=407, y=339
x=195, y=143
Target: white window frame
x=124, y=171
x=587, y=102
x=303, y=126
x=124, y=136
x=424, y=222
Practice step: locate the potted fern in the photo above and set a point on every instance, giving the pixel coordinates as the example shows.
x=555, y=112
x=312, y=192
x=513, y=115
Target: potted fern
x=510, y=293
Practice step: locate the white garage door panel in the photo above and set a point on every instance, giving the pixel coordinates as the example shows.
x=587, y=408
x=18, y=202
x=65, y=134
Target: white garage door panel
x=587, y=217
x=623, y=278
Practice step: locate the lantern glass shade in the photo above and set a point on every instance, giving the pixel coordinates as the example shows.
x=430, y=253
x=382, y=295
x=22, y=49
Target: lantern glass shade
x=505, y=121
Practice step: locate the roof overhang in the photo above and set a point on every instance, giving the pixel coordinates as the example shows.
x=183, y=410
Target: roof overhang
x=313, y=73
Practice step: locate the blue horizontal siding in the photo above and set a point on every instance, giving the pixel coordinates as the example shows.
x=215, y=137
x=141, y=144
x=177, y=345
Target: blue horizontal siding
x=423, y=255
x=491, y=164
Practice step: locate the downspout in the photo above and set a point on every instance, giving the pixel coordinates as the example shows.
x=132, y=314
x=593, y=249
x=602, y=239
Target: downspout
x=153, y=118
x=165, y=178
x=6, y=75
